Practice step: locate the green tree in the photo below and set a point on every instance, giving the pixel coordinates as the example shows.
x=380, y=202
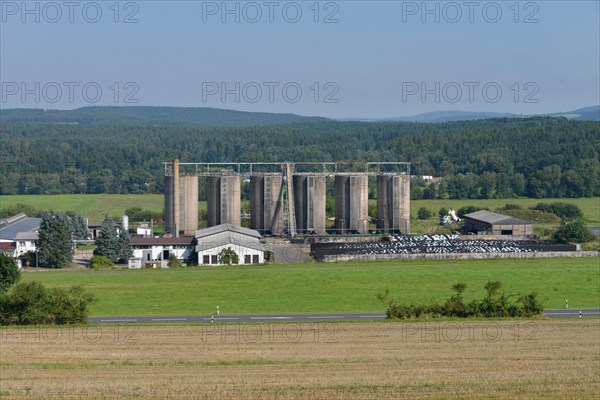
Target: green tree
x=79, y=226
x=573, y=232
x=124, y=243
x=228, y=256
x=9, y=272
x=107, y=242
x=55, y=243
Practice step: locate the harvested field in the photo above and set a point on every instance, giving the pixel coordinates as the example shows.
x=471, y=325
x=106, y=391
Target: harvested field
x=475, y=359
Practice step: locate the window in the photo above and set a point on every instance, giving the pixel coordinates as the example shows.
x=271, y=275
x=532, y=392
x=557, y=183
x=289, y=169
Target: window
x=205, y=259
x=255, y=259
x=247, y=259
x=506, y=232
x=214, y=259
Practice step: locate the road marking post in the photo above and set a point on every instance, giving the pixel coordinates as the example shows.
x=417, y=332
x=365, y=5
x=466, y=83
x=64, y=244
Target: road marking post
x=566, y=304
x=579, y=313
x=212, y=319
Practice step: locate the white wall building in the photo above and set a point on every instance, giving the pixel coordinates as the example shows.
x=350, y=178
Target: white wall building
x=245, y=242
x=159, y=249
x=19, y=234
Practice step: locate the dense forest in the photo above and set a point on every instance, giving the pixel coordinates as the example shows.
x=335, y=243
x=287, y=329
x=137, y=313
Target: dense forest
x=494, y=158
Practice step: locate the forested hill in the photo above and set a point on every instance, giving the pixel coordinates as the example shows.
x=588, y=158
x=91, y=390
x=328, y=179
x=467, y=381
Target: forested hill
x=537, y=157
x=152, y=116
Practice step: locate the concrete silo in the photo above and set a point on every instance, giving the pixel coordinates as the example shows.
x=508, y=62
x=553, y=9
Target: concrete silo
x=310, y=203
x=184, y=204
x=352, y=203
x=224, y=200
x=266, y=203
x=393, y=203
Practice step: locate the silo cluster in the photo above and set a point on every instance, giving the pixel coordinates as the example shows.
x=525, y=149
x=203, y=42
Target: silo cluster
x=271, y=205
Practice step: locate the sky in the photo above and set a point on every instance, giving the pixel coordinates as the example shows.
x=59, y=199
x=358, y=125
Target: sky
x=338, y=59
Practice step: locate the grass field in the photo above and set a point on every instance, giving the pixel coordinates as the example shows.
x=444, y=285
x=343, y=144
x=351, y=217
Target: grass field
x=95, y=206
x=325, y=287
x=387, y=360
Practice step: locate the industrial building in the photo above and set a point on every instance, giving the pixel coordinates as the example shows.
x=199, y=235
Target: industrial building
x=151, y=249
x=490, y=223
x=245, y=242
x=289, y=198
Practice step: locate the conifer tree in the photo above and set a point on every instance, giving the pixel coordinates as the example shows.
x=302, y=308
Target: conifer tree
x=55, y=243
x=107, y=242
x=124, y=246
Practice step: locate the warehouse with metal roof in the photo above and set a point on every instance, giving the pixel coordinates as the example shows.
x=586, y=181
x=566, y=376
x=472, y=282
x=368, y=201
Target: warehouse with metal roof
x=491, y=223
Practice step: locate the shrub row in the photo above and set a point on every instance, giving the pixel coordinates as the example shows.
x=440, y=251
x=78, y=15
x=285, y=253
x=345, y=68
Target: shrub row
x=562, y=210
x=31, y=303
x=493, y=305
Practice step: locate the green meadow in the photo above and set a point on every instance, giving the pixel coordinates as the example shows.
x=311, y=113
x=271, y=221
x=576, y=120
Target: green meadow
x=314, y=288
x=95, y=206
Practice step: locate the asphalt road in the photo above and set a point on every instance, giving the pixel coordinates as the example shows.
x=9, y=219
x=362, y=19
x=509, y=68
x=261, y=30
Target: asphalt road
x=562, y=313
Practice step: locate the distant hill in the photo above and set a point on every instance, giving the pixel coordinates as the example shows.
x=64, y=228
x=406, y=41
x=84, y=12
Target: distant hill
x=141, y=115
x=583, y=114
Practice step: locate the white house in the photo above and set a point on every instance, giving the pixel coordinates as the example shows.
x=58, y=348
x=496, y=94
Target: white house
x=162, y=248
x=19, y=234
x=245, y=242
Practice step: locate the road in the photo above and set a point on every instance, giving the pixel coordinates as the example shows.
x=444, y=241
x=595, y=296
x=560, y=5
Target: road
x=563, y=313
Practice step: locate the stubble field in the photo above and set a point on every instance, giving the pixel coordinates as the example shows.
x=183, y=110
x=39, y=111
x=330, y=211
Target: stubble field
x=538, y=359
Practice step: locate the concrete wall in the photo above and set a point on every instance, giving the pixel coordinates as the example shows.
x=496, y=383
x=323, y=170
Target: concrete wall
x=266, y=203
x=458, y=256
x=224, y=200
x=352, y=204
x=393, y=203
x=310, y=203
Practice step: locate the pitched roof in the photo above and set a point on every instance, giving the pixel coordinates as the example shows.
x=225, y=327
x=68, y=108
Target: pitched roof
x=11, y=228
x=213, y=230
x=495, y=218
x=163, y=241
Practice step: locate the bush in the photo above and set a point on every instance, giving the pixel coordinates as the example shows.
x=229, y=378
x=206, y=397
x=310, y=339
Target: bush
x=510, y=206
x=573, y=232
x=493, y=305
x=32, y=303
x=228, y=256
x=9, y=272
x=136, y=214
x=100, y=262
x=173, y=262
x=424, y=213
x=563, y=210
x=443, y=212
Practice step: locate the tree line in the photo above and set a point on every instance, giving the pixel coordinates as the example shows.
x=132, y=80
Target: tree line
x=496, y=158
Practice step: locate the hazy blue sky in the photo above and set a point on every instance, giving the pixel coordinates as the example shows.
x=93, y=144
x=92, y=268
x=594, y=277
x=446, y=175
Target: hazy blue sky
x=349, y=59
